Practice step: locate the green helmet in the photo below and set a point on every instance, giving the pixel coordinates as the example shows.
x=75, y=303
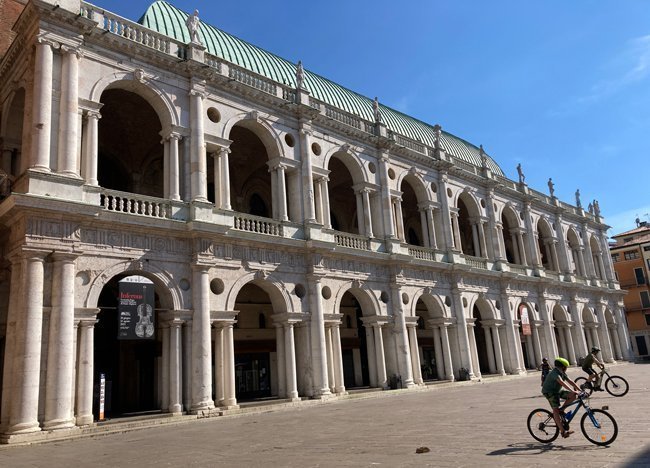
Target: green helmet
x=561, y=362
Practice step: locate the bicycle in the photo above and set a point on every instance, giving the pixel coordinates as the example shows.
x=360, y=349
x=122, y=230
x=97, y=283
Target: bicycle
x=597, y=425
x=614, y=384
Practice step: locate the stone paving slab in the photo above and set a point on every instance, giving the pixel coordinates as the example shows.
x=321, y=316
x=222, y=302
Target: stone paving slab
x=463, y=425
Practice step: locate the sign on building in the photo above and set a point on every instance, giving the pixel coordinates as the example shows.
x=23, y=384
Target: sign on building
x=135, y=306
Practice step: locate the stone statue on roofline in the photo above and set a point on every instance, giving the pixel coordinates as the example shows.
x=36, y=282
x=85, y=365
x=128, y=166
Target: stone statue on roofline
x=520, y=172
x=578, y=202
x=192, y=24
x=375, y=110
x=596, y=208
x=300, y=75
x=590, y=208
x=551, y=187
x=437, y=131
x=484, y=159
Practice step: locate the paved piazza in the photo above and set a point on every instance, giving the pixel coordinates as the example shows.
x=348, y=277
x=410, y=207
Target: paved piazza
x=465, y=425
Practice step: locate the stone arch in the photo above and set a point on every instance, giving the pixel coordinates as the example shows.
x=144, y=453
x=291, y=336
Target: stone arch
x=434, y=304
x=415, y=180
x=147, y=89
x=414, y=197
x=275, y=289
x=168, y=292
x=546, y=244
x=559, y=313
x=352, y=162
x=367, y=300
x=486, y=308
x=268, y=135
x=469, y=215
x=597, y=255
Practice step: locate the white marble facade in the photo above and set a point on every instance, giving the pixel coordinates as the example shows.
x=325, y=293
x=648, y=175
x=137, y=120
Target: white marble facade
x=273, y=234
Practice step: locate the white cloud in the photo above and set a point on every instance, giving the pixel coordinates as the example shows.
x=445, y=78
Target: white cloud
x=625, y=220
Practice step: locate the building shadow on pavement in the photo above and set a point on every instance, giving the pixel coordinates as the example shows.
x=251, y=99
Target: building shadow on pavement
x=642, y=459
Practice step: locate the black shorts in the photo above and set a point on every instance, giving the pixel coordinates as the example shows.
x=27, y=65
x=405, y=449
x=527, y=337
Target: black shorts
x=589, y=370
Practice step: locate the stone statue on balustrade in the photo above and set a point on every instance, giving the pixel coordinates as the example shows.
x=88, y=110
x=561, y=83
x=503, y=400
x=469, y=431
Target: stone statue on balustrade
x=596, y=208
x=192, y=24
x=578, y=202
x=300, y=75
x=375, y=110
x=520, y=171
x=484, y=159
x=551, y=187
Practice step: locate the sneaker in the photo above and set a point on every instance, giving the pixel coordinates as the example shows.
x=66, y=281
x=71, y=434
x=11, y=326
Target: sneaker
x=566, y=434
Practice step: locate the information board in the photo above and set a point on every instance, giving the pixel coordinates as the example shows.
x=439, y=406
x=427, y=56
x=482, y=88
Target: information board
x=135, y=306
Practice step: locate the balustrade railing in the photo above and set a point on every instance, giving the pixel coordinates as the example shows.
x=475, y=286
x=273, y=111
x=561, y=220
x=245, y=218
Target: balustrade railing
x=352, y=241
x=507, y=182
x=252, y=80
x=340, y=116
x=135, y=204
x=256, y=224
x=465, y=165
x=519, y=269
x=130, y=30
x=410, y=144
x=552, y=274
x=476, y=262
x=422, y=253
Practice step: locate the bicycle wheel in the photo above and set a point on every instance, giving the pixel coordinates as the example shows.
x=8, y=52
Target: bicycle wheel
x=599, y=427
x=541, y=425
x=617, y=386
x=588, y=389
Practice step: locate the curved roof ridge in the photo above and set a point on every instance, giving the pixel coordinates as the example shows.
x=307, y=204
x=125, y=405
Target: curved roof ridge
x=163, y=17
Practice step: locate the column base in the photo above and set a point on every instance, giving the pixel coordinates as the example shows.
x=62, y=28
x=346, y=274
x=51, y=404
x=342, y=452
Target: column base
x=451, y=378
x=85, y=420
x=202, y=407
x=175, y=409
x=23, y=428
x=341, y=391
x=57, y=424
x=322, y=394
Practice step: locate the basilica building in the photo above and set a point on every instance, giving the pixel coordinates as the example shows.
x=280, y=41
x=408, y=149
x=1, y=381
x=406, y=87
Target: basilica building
x=296, y=239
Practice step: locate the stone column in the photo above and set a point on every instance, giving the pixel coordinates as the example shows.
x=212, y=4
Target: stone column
x=399, y=219
x=447, y=222
x=69, y=113
x=437, y=349
x=365, y=194
x=42, y=106
x=617, y=343
x=317, y=333
x=360, y=220
x=175, y=406
x=174, y=167
x=318, y=201
x=415, y=355
x=25, y=395
x=372, y=361
x=164, y=384
x=216, y=176
x=461, y=330
x=432, y=229
x=229, y=392
x=386, y=208
x=330, y=359
x=522, y=248
x=581, y=259
x=198, y=164
x=338, y=360
x=401, y=338
x=477, y=246
x=91, y=147
x=225, y=179
x=201, y=341
x=187, y=365
x=307, y=175
x=281, y=193
x=85, y=373
x=12, y=329
x=425, y=228
x=569, y=344
x=475, y=370
x=606, y=344
x=490, y=349
x=290, y=355
x=165, y=144
x=536, y=343
x=512, y=337
x=446, y=351
x=457, y=243
x=481, y=236
x=61, y=351
x=498, y=350
x=327, y=222
x=282, y=375
x=219, y=364
x=382, y=381
x=501, y=243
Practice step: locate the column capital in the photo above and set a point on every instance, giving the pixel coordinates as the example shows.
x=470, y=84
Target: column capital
x=42, y=40
x=71, y=50
x=198, y=92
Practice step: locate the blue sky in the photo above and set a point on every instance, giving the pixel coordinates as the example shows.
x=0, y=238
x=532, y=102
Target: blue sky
x=561, y=87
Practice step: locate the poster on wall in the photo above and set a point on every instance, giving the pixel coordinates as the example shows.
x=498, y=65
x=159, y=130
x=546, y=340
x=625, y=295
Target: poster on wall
x=525, y=321
x=135, y=308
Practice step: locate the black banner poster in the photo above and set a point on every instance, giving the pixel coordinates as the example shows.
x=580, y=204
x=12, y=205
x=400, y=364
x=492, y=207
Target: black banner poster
x=135, y=307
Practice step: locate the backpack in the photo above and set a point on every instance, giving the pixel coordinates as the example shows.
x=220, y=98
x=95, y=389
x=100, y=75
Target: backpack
x=581, y=361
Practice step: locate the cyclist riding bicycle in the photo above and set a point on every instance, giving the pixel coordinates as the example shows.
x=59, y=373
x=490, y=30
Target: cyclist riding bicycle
x=587, y=366
x=558, y=385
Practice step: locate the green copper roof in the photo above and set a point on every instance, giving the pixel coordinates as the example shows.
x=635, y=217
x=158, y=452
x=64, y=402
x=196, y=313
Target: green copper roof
x=170, y=21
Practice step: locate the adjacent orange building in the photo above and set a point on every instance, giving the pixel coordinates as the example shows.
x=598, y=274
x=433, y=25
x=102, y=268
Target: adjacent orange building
x=631, y=258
